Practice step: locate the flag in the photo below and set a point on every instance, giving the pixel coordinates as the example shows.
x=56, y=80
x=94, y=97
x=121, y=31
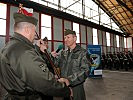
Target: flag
x=25, y=11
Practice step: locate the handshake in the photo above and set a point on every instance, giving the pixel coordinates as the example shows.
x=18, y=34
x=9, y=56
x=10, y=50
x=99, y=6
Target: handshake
x=66, y=81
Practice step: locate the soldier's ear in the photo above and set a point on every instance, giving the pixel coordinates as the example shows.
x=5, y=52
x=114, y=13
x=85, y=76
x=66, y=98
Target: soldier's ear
x=75, y=38
x=27, y=30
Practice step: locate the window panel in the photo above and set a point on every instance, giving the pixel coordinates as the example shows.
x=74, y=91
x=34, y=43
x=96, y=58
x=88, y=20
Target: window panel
x=2, y=27
x=67, y=24
x=117, y=39
x=108, y=38
x=57, y=29
x=125, y=42
x=91, y=11
x=78, y=40
x=129, y=42
x=76, y=29
x=83, y=33
x=114, y=26
x=3, y=8
x=70, y=6
x=46, y=32
x=54, y=4
x=89, y=35
x=95, y=40
x=66, y=3
x=105, y=19
x=95, y=17
x=100, y=38
x=45, y=20
x=91, y=5
x=45, y=26
x=87, y=13
x=77, y=7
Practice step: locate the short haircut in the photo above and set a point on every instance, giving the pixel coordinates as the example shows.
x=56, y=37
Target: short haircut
x=45, y=39
x=22, y=25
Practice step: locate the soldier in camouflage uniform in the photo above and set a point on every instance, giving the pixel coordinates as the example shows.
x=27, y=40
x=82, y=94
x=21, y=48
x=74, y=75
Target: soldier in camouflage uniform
x=74, y=65
x=23, y=73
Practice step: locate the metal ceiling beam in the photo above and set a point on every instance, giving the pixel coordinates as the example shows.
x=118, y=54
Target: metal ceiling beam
x=59, y=4
x=126, y=14
x=122, y=16
x=71, y=5
x=125, y=25
x=109, y=13
x=124, y=5
x=83, y=8
x=116, y=19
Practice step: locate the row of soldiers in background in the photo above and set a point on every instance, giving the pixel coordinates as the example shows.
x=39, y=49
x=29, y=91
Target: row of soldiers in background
x=119, y=60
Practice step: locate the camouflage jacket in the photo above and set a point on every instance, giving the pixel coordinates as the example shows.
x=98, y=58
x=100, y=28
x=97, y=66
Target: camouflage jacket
x=22, y=68
x=74, y=65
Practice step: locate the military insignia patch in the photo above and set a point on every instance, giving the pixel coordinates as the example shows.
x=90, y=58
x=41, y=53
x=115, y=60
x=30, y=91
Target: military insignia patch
x=43, y=67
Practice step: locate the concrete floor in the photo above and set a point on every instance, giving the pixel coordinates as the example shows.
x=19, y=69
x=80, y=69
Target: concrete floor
x=114, y=85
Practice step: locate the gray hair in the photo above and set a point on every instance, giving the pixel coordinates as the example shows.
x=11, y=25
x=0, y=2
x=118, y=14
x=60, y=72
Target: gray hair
x=22, y=25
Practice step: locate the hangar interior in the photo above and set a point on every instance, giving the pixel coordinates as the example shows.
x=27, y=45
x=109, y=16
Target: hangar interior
x=108, y=23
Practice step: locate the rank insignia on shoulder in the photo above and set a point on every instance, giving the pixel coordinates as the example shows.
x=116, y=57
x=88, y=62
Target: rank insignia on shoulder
x=43, y=67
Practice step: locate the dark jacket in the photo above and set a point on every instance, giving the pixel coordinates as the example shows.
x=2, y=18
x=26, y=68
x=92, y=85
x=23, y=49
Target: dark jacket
x=74, y=66
x=43, y=55
x=23, y=70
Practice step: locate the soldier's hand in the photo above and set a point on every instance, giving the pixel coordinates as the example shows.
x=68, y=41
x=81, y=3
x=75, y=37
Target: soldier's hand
x=54, y=54
x=39, y=42
x=42, y=48
x=64, y=80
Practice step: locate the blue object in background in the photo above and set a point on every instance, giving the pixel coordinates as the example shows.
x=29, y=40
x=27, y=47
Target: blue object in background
x=94, y=54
